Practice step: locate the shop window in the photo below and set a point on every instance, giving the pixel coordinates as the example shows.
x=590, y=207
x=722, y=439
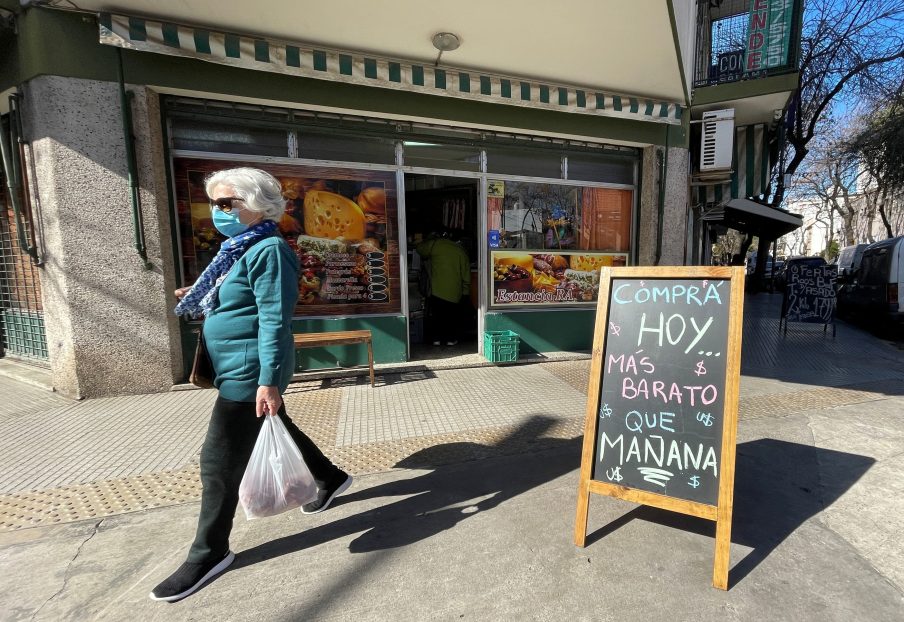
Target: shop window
x=605, y=169
x=348, y=266
x=192, y=135
x=549, y=241
x=325, y=145
x=437, y=155
x=523, y=162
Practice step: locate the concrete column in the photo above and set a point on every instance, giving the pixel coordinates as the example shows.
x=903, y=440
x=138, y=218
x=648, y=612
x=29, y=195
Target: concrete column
x=674, y=217
x=649, y=197
x=108, y=320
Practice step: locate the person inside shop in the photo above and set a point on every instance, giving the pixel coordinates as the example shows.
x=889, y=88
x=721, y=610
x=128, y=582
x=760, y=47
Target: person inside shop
x=247, y=296
x=450, y=281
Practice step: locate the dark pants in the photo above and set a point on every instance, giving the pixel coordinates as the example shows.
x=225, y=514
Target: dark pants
x=231, y=435
x=444, y=319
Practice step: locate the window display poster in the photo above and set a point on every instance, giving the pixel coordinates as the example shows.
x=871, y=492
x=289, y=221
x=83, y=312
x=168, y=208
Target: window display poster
x=340, y=223
x=541, y=277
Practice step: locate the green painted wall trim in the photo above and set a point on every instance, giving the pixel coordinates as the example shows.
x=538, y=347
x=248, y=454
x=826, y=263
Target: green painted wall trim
x=706, y=95
x=389, y=338
x=78, y=54
x=679, y=135
x=548, y=331
x=9, y=59
x=75, y=52
x=13, y=6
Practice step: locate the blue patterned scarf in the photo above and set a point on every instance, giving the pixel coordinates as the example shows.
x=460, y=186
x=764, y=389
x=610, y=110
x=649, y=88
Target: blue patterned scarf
x=202, y=298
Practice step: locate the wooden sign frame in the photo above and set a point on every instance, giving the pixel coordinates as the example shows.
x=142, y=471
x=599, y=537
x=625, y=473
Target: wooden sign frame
x=721, y=512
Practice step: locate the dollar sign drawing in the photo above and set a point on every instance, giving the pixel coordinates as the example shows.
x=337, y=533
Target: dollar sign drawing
x=614, y=474
x=700, y=369
x=695, y=481
x=605, y=411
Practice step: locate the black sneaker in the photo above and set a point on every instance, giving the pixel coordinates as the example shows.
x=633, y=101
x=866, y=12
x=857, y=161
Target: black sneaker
x=325, y=496
x=189, y=577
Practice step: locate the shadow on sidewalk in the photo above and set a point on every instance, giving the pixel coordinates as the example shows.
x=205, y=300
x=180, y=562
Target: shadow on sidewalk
x=778, y=487
x=440, y=499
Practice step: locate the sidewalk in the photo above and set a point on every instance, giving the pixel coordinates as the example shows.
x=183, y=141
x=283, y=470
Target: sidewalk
x=464, y=501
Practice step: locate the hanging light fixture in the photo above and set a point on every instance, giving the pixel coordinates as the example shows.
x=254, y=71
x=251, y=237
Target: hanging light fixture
x=445, y=42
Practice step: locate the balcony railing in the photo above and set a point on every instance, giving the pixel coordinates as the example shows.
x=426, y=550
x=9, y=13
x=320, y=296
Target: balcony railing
x=746, y=39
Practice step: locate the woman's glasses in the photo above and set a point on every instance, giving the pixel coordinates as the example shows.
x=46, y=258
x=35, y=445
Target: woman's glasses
x=225, y=204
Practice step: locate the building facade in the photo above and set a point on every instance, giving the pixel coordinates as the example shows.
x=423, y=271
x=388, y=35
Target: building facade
x=545, y=144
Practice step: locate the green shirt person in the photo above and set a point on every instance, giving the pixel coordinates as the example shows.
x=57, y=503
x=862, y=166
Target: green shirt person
x=450, y=280
x=450, y=269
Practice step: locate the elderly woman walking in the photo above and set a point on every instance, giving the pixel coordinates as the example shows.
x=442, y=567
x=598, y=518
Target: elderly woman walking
x=247, y=295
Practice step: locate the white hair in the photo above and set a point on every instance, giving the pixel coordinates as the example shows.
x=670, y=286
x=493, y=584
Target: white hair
x=260, y=191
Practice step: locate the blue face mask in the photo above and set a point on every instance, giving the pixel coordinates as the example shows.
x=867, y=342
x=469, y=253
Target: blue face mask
x=228, y=224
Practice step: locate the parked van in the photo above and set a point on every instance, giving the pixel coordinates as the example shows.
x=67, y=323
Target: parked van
x=849, y=260
x=876, y=291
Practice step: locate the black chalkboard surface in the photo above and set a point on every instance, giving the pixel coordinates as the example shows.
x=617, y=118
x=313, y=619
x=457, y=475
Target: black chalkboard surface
x=662, y=401
x=662, y=390
x=810, y=294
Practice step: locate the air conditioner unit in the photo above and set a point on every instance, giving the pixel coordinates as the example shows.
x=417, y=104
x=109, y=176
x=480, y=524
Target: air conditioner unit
x=717, y=140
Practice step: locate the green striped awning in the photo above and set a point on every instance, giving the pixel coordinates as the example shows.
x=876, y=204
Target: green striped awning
x=298, y=59
x=751, y=167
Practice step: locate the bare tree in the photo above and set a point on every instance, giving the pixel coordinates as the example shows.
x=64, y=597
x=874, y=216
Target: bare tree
x=880, y=146
x=828, y=181
x=854, y=47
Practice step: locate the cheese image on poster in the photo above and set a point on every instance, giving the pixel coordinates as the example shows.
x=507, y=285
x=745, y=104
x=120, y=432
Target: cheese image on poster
x=331, y=215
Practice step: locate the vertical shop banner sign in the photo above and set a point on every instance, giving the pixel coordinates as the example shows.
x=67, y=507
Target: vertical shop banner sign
x=661, y=418
x=768, y=34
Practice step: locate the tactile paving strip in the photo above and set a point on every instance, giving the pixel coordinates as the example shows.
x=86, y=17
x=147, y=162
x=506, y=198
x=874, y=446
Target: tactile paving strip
x=98, y=499
x=577, y=374
x=317, y=410
x=131, y=494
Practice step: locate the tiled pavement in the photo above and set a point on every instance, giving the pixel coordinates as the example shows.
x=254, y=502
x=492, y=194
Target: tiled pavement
x=64, y=461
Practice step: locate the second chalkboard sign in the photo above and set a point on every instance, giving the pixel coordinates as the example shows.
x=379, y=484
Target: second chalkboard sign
x=810, y=296
x=662, y=402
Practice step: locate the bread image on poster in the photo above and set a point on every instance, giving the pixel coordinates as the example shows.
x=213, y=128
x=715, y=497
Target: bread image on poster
x=330, y=215
x=589, y=263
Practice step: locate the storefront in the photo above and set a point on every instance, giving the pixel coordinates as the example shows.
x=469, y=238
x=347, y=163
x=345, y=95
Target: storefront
x=537, y=221
x=540, y=183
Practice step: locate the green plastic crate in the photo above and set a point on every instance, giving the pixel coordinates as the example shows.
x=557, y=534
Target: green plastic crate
x=501, y=346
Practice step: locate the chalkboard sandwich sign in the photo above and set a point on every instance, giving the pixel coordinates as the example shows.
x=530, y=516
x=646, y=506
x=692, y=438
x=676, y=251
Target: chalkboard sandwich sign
x=810, y=296
x=662, y=404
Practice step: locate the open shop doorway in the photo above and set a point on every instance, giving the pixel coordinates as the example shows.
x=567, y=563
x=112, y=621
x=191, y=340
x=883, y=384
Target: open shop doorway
x=442, y=225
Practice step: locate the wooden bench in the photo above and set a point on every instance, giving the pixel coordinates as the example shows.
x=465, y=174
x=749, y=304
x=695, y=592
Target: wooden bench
x=338, y=338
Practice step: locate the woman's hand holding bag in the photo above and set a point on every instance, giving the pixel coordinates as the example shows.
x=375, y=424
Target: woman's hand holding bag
x=276, y=479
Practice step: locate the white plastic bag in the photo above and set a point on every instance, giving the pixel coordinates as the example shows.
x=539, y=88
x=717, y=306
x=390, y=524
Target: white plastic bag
x=276, y=479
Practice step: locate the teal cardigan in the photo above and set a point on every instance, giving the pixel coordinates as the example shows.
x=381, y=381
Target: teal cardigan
x=249, y=334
